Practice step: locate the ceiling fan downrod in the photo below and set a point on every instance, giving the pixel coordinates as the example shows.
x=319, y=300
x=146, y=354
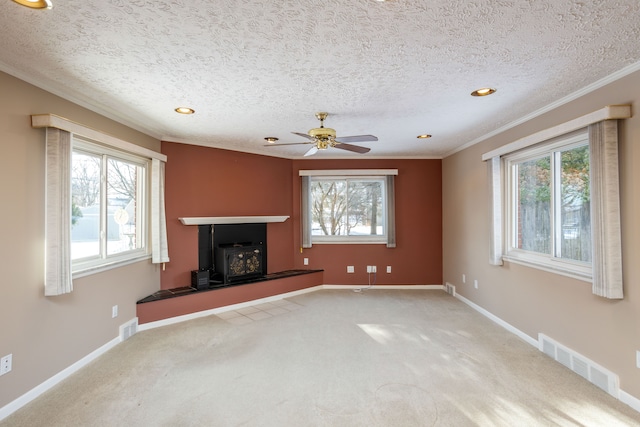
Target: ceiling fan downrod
x=321, y=116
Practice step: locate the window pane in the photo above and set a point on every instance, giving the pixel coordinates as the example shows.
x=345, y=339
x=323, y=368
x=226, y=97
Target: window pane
x=534, y=205
x=366, y=213
x=122, y=190
x=329, y=208
x=575, y=205
x=85, y=205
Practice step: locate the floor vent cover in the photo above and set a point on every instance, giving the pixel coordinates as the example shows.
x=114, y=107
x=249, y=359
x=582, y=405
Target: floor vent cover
x=589, y=370
x=128, y=329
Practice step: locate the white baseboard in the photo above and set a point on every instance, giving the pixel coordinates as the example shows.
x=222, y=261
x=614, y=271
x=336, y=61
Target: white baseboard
x=499, y=321
x=630, y=400
x=623, y=396
x=11, y=407
x=414, y=287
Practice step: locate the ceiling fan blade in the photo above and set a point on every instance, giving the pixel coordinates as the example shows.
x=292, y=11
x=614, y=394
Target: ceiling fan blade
x=357, y=138
x=304, y=135
x=313, y=150
x=354, y=148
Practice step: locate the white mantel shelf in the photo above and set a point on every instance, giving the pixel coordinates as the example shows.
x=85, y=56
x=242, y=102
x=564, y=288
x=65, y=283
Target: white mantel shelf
x=205, y=220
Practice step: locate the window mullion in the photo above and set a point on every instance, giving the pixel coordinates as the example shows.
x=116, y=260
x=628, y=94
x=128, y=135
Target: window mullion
x=347, y=207
x=556, y=205
x=514, y=218
x=103, y=207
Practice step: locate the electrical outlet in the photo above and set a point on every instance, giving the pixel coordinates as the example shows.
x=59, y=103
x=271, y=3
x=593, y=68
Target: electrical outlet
x=374, y=269
x=369, y=269
x=464, y=278
x=306, y=261
x=388, y=269
x=475, y=284
x=5, y=364
x=350, y=269
x=114, y=311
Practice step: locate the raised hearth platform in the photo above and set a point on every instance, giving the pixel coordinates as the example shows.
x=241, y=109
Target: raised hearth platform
x=169, y=303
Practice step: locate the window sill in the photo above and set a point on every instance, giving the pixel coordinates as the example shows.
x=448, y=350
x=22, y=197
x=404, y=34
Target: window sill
x=348, y=242
x=88, y=271
x=557, y=267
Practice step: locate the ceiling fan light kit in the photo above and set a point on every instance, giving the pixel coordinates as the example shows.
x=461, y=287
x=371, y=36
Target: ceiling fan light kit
x=323, y=138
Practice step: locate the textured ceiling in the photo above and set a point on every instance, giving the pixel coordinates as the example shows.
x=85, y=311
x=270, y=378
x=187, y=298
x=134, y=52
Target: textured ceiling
x=257, y=68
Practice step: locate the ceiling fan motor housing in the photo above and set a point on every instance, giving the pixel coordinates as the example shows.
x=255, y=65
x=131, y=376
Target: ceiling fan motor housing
x=322, y=133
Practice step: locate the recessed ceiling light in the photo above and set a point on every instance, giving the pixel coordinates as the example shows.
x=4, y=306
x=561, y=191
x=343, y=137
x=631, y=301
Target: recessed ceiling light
x=424, y=136
x=185, y=110
x=483, y=92
x=271, y=139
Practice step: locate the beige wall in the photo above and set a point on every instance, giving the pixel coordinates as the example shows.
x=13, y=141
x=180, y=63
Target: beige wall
x=534, y=301
x=46, y=335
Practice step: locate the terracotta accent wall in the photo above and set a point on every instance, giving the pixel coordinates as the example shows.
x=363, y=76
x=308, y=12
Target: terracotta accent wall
x=202, y=181
x=417, y=259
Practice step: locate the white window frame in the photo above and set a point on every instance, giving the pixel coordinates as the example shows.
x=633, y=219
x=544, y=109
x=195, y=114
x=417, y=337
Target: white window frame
x=388, y=196
x=551, y=262
x=103, y=260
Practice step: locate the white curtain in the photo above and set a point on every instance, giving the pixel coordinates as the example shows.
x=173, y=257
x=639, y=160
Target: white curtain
x=58, y=277
x=495, y=207
x=391, y=212
x=605, y=210
x=159, y=246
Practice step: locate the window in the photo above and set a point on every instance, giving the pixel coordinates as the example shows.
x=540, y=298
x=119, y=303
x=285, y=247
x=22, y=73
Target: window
x=549, y=220
x=119, y=181
x=348, y=206
x=108, y=193
x=561, y=212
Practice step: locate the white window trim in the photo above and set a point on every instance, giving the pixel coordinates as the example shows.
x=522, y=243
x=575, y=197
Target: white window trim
x=57, y=122
x=348, y=172
x=609, y=112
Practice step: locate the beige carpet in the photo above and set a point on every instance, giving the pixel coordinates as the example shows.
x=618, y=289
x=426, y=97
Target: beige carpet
x=329, y=358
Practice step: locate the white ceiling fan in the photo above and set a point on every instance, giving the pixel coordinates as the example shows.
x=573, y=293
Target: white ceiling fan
x=323, y=138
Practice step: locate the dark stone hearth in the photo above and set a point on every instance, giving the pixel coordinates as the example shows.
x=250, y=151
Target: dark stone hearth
x=187, y=290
